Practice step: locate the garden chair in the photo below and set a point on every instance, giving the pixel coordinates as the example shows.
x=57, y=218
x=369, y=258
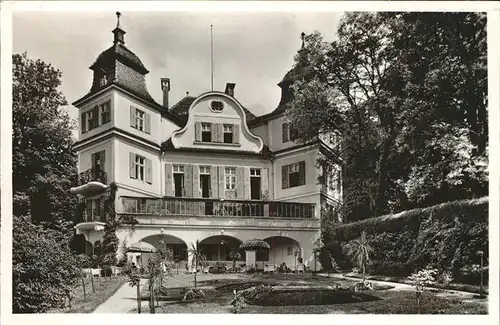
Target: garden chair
x=300, y=268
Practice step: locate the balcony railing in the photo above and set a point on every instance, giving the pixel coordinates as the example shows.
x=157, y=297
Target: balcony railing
x=92, y=175
x=216, y=207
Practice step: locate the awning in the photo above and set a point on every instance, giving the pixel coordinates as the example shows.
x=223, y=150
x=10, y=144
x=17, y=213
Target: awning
x=141, y=247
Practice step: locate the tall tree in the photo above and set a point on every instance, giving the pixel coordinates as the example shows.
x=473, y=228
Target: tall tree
x=398, y=88
x=43, y=165
x=43, y=162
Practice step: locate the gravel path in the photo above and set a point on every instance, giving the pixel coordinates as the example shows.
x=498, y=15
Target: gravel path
x=404, y=287
x=124, y=300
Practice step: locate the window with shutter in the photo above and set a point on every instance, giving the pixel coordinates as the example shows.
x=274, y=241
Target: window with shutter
x=132, y=116
x=84, y=122
x=293, y=175
x=284, y=177
x=284, y=132
x=149, y=171
x=197, y=131
x=169, y=183
x=236, y=133
x=147, y=123
x=132, y=165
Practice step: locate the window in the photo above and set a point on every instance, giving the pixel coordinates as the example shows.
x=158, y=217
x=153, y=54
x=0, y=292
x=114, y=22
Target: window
x=228, y=133
x=105, y=112
x=293, y=175
x=255, y=172
x=204, y=170
x=287, y=133
x=140, y=167
x=216, y=106
x=139, y=120
x=98, y=159
x=92, y=118
x=103, y=80
x=95, y=117
x=179, y=180
x=230, y=178
x=206, y=132
x=289, y=251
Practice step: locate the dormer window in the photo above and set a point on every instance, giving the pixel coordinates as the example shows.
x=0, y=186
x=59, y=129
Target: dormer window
x=103, y=80
x=217, y=106
x=206, y=132
x=228, y=133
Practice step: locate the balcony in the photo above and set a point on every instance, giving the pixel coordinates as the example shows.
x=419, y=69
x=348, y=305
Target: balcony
x=217, y=207
x=91, y=181
x=92, y=224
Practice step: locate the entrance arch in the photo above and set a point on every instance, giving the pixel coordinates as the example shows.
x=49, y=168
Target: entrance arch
x=218, y=248
x=283, y=249
x=177, y=248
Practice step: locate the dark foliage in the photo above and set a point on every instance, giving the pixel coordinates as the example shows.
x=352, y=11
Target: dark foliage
x=446, y=236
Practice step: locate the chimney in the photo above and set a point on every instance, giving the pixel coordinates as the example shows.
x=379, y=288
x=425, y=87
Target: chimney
x=230, y=89
x=165, y=87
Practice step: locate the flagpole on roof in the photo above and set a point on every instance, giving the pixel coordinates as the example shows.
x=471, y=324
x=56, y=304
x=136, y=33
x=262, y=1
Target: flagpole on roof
x=211, y=57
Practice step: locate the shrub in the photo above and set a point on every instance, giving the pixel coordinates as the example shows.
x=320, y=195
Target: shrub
x=43, y=268
x=194, y=294
x=238, y=302
x=446, y=236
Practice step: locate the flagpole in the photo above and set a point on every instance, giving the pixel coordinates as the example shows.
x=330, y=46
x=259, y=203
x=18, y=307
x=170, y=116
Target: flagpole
x=211, y=57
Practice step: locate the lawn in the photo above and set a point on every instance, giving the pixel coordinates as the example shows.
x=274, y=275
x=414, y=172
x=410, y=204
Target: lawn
x=104, y=288
x=386, y=300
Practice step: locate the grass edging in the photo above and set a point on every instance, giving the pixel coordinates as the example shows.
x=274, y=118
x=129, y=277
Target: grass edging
x=453, y=286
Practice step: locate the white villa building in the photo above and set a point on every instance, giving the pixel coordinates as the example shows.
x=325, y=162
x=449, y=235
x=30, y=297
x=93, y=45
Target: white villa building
x=204, y=169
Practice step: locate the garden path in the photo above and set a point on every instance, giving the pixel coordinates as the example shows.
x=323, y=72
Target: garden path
x=123, y=301
x=402, y=286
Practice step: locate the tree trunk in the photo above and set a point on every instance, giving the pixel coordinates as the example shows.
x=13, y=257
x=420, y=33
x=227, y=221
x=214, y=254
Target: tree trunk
x=92, y=281
x=83, y=286
x=363, y=268
x=139, y=297
x=151, y=298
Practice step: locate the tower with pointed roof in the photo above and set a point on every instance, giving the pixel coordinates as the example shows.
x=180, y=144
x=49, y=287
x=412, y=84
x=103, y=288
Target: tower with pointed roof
x=206, y=169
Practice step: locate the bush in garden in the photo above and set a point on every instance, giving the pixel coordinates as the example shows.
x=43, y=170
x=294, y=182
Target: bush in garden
x=421, y=280
x=237, y=303
x=43, y=268
x=194, y=294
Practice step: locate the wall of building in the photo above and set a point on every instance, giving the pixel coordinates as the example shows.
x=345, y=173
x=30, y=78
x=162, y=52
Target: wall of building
x=262, y=131
x=275, y=138
x=123, y=148
x=161, y=128
x=309, y=156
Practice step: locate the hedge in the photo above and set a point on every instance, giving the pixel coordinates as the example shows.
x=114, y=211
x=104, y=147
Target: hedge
x=446, y=236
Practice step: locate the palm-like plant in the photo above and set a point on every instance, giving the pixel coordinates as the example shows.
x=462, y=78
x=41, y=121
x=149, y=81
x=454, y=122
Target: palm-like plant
x=360, y=253
x=198, y=258
x=234, y=255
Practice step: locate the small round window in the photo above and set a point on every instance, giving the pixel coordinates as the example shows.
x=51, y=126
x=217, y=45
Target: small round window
x=216, y=106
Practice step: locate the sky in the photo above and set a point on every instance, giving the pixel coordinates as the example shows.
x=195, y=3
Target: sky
x=253, y=50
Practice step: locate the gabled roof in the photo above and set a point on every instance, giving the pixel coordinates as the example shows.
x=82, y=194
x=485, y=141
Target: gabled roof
x=181, y=110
